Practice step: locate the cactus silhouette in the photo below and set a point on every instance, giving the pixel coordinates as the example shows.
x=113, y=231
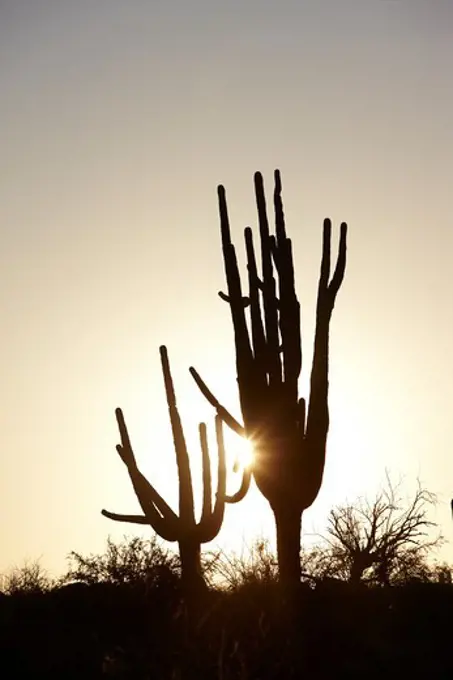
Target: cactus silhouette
x=289, y=440
x=183, y=528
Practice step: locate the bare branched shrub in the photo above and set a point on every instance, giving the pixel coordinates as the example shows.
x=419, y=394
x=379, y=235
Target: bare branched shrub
x=30, y=578
x=135, y=559
x=256, y=564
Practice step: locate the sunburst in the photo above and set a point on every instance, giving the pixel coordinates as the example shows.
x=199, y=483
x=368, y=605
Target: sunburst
x=243, y=453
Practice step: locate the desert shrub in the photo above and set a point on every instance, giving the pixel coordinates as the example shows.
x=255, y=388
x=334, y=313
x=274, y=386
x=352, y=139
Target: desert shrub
x=30, y=578
x=255, y=564
x=134, y=559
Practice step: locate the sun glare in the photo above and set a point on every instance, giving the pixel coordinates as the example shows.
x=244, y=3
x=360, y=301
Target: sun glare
x=242, y=452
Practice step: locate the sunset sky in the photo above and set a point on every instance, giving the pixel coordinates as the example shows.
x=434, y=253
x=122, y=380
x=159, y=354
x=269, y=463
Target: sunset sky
x=118, y=120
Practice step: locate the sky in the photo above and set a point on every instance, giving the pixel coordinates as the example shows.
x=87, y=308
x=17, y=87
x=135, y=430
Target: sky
x=117, y=122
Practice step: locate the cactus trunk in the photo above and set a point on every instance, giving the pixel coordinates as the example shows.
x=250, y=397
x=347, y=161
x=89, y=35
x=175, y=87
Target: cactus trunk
x=288, y=526
x=191, y=571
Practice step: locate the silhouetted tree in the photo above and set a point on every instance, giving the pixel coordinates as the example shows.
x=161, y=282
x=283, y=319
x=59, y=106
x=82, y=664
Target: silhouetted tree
x=289, y=440
x=384, y=541
x=183, y=528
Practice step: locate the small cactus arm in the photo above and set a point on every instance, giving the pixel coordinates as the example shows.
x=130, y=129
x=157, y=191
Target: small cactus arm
x=289, y=440
x=182, y=528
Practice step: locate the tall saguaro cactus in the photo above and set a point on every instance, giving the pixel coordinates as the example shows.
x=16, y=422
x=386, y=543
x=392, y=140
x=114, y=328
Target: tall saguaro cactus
x=289, y=439
x=156, y=512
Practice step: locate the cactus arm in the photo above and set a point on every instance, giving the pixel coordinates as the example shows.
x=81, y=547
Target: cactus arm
x=124, y=449
x=159, y=514
x=133, y=519
x=325, y=303
x=221, y=472
x=327, y=292
x=245, y=364
x=280, y=228
x=289, y=304
x=244, y=487
x=186, y=501
x=235, y=298
x=233, y=424
x=160, y=526
x=207, y=485
x=301, y=414
x=258, y=336
x=318, y=413
x=227, y=418
x=210, y=526
x=338, y=275
x=269, y=288
x=148, y=497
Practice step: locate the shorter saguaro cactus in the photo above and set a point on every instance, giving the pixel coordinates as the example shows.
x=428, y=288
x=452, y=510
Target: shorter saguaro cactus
x=184, y=528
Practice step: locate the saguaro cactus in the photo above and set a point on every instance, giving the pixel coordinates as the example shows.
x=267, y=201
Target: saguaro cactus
x=183, y=528
x=289, y=440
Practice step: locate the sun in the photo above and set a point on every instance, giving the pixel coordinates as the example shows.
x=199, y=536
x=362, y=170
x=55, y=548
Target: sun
x=239, y=450
x=242, y=452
